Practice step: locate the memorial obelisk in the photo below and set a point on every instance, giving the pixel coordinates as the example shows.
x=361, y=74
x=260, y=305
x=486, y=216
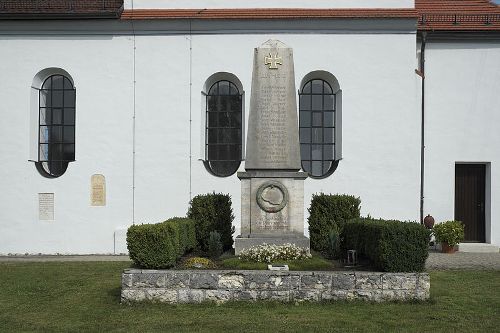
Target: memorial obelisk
x=272, y=188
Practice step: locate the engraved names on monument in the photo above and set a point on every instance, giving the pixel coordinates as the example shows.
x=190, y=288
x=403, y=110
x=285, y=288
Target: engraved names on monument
x=272, y=191
x=273, y=140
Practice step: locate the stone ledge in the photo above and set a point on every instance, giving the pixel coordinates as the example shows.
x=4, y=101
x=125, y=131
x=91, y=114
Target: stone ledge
x=195, y=286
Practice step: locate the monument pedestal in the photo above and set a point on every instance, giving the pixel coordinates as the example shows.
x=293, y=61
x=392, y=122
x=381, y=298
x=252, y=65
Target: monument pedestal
x=272, y=209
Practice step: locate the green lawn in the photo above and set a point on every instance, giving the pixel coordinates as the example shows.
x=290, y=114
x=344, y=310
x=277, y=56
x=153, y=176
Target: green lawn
x=84, y=296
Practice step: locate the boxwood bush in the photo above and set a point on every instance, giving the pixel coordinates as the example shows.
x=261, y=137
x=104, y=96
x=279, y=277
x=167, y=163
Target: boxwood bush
x=392, y=246
x=160, y=245
x=329, y=212
x=212, y=212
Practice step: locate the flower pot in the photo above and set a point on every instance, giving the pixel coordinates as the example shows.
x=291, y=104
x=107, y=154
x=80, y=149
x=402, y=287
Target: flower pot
x=429, y=222
x=445, y=248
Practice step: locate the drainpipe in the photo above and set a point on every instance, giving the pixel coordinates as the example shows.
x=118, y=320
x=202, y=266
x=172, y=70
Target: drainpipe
x=422, y=126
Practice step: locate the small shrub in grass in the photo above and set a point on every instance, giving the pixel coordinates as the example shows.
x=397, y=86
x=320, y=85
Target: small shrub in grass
x=212, y=212
x=269, y=253
x=329, y=211
x=160, y=245
x=199, y=263
x=392, y=246
x=214, y=245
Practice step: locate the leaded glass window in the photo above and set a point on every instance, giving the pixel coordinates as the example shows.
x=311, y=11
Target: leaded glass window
x=317, y=108
x=223, y=137
x=56, y=136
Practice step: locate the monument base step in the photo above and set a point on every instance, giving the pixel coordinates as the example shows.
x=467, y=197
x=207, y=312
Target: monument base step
x=241, y=243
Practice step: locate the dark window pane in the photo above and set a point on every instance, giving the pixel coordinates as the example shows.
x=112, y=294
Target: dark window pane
x=233, y=90
x=328, y=102
x=57, y=98
x=305, y=102
x=224, y=103
x=307, y=88
x=328, y=138
x=317, y=86
x=44, y=152
x=306, y=166
x=328, y=152
x=45, y=116
x=316, y=168
x=44, y=134
x=47, y=84
x=213, y=135
x=69, y=98
x=305, y=119
x=328, y=119
x=224, y=119
x=234, y=103
x=236, y=119
x=317, y=102
x=316, y=151
x=326, y=167
x=317, y=119
x=57, y=82
x=327, y=88
x=69, y=152
x=305, y=135
x=214, y=90
x=56, y=152
x=57, y=116
x=305, y=152
x=224, y=169
x=67, y=84
x=69, y=116
x=55, y=134
x=212, y=119
x=223, y=88
x=317, y=135
x=211, y=103
x=45, y=98
x=212, y=152
x=69, y=134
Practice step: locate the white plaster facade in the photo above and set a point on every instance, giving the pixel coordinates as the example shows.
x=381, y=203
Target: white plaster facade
x=139, y=117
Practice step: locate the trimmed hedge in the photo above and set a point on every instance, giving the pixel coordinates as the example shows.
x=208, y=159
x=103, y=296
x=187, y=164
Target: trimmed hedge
x=212, y=212
x=160, y=245
x=329, y=212
x=392, y=246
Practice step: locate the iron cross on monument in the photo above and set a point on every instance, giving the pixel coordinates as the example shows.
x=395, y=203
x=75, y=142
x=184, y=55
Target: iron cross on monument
x=273, y=61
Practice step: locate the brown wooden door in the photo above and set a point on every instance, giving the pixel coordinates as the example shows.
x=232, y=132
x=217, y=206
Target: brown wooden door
x=469, y=200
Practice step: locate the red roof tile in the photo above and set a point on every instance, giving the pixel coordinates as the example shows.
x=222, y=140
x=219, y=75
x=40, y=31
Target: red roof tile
x=60, y=9
x=457, y=15
x=265, y=13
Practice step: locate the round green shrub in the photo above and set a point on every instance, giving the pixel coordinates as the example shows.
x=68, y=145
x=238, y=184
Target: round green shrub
x=451, y=232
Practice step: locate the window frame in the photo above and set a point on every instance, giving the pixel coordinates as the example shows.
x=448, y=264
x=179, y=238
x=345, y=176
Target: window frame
x=311, y=126
x=43, y=127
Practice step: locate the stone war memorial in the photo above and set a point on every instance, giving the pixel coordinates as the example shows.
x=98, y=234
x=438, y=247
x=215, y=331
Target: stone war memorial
x=272, y=212
x=272, y=187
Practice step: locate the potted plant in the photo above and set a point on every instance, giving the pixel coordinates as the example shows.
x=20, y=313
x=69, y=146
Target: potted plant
x=449, y=234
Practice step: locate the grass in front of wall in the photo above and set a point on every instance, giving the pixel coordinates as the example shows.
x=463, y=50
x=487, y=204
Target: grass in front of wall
x=85, y=297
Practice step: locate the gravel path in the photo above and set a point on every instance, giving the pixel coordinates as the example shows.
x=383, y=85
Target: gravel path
x=463, y=260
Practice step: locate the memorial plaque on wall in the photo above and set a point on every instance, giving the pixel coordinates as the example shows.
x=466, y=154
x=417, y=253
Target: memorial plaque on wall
x=97, y=190
x=46, y=206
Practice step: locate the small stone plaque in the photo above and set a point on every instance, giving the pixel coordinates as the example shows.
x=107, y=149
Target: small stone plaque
x=97, y=190
x=277, y=267
x=46, y=206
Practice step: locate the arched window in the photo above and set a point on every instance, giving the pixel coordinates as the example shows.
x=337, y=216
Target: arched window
x=320, y=128
x=56, y=125
x=223, y=130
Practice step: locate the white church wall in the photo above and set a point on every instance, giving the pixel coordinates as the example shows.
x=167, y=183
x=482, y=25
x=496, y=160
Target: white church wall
x=380, y=129
x=102, y=71
x=217, y=4
x=462, y=104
